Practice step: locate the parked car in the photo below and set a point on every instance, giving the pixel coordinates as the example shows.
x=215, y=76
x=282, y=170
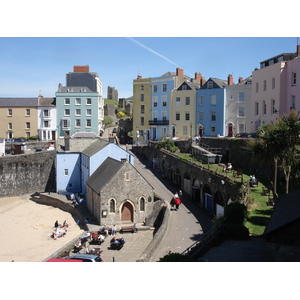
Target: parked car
x=241, y=135
x=114, y=130
x=19, y=140
x=86, y=257
x=63, y=260
x=252, y=135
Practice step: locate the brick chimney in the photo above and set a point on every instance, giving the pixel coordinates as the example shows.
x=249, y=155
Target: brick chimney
x=202, y=81
x=81, y=69
x=230, y=80
x=197, y=76
x=298, y=50
x=241, y=79
x=139, y=77
x=179, y=72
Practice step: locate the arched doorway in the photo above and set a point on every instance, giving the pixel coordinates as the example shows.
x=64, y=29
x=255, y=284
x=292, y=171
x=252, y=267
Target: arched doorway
x=201, y=130
x=218, y=204
x=230, y=129
x=207, y=198
x=187, y=183
x=196, y=190
x=127, y=212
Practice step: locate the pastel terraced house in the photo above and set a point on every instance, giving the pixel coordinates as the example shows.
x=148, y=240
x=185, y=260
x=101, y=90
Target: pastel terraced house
x=80, y=103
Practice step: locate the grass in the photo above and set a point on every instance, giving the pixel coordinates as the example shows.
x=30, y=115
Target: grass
x=258, y=211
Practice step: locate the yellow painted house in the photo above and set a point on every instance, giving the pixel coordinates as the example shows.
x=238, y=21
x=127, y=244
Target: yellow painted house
x=141, y=109
x=183, y=110
x=18, y=117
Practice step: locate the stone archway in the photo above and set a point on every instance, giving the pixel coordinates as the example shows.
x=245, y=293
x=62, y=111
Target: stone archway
x=127, y=212
x=218, y=204
x=196, y=192
x=207, y=198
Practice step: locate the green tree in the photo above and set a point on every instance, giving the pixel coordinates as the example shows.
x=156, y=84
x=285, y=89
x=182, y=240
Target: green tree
x=278, y=142
x=290, y=126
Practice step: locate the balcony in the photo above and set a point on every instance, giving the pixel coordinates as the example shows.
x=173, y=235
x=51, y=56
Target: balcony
x=158, y=122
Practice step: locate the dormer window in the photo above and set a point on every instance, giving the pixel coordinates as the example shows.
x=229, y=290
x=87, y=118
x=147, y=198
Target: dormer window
x=209, y=84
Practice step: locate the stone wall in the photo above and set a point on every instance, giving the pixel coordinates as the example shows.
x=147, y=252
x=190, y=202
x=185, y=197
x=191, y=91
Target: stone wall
x=195, y=180
x=123, y=193
x=27, y=173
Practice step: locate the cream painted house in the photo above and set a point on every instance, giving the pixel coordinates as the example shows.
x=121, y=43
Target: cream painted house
x=18, y=117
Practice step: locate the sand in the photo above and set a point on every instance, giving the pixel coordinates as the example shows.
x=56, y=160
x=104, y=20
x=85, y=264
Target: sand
x=25, y=229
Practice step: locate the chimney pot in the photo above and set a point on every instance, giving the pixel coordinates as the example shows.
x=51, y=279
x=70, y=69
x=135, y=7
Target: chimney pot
x=197, y=76
x=179, y=72
x=81, y=69
x=139, y=77
x=230, y=80
x=241, y=79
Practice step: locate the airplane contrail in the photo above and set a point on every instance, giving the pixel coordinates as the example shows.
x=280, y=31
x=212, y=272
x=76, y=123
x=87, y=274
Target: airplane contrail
x=152, y=51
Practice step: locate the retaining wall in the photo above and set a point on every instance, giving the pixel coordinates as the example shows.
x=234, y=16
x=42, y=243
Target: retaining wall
x=27, y=173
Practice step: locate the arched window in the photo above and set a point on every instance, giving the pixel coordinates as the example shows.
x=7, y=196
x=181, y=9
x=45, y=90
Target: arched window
x=112, y=206
x=142, y=204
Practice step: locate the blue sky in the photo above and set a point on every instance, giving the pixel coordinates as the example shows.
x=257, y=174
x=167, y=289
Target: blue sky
x=29, y=65
x=38, y=48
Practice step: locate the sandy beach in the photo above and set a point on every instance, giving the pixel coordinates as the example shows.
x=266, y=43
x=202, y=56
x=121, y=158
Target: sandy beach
x=25, y=229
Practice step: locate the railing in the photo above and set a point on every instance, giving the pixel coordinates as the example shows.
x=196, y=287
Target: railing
x=210, y=149
x=158, y=122
x=203, y=244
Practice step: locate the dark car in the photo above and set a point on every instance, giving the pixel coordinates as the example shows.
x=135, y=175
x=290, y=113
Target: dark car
x=252, y=135
x=114, y=130
x=19, y=140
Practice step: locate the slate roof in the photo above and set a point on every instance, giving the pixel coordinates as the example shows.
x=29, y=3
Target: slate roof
x=174, y=74
x=217, y=83
x=192, y=85
x=77, y=145
x=19, y=102
x=95, y=147
x=75, y=89
x=105, y=172
x=286, y=210
x=84, y=134
x=247, y=80
x=46, y=101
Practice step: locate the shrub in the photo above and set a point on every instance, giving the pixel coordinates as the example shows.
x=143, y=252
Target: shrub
x=234, y=231
x=176, y=257
x=235, y=213
x=121, y=114
x=167, y=144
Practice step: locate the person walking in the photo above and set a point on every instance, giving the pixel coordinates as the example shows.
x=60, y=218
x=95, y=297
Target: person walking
x=177, y=203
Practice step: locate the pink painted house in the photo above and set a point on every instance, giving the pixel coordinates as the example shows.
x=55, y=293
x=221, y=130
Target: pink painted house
x=275, y=89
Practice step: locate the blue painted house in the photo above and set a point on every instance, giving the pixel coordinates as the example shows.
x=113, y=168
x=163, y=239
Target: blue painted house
x=161, y=93
x=210, y=108
x=77, y=159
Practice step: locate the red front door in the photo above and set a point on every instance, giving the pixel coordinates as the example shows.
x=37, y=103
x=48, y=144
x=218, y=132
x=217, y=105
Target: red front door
x=127, y=212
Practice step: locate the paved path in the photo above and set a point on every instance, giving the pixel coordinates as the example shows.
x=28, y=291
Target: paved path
x=186, y=225
x=135, y=245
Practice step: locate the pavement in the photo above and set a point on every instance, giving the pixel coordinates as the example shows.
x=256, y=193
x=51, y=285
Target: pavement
x=186, y=226
x=135, y=245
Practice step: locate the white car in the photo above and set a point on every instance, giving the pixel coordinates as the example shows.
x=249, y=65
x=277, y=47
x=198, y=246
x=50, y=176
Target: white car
x=86, y=257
